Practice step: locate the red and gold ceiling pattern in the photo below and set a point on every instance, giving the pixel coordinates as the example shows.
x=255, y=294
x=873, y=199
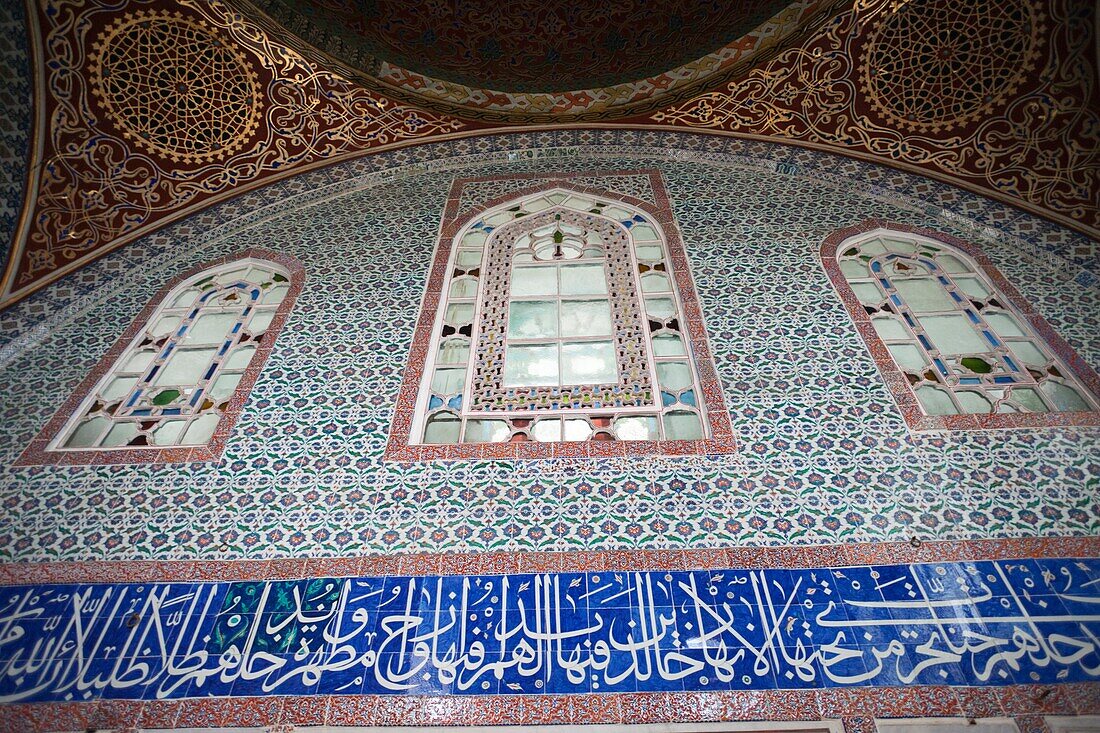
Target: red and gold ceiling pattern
x=996, y=95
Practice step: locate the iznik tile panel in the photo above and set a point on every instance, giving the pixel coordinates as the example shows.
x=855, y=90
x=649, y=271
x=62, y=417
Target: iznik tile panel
x=977, y=623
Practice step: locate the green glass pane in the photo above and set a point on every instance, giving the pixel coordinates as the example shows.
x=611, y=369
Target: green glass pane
x=87, y=434
x=643, y=232
x=487, y=431
x=973, y=287
x=908, y=356
x=973, y=402
x=1064, y=397
x=1028, y=352
x=448, y=381
x=636, y=428
x=260, y=321
x=889, y=328
x=1004, y=324
x=589, y=363
x=201, y=430
x=585, y=318
x=454, y=351
x=459, y=314
x=210, y=328
x=952, y=264
x=531, y=365
x=185, y=366
x=121, y=434
x=682, y=425
x=656, y=282
x=224, y=386
x=1028, y=399
x=660, y=307
x=168, y=433
x=854, y=268
x=464, y=287
x=935, y=401
x=924, y=295
x=442, y=428
x=583, y=280
x=547, y=431
x=668, y=344
x=534, y=281
x=576, y=430
x=239, y=357
x=953, y=334
x=119, y=387
x=674, y=375
x=868, y=293
x=166, y=397
x=532, y=319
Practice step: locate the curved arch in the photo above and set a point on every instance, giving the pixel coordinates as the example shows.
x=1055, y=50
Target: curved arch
x=173, y=385
x=959, y=347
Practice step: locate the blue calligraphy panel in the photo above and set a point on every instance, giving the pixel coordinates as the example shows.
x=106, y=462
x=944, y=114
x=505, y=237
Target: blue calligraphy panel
x=974, y=623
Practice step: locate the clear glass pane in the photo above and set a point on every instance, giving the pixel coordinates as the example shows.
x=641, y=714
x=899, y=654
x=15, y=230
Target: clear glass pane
x=121, y=434
x=643, y=232
x=531, y=366
x=903, y=246
x=464, y=287
x=474, y=238
x=579, y=203
x=973, y=402
x=487, y=431
x=448, y=381
x=468, y=258
x=973, y=287
x=166, y=325
x=682, y=425
x=576, y=430
x=660, y=307
x=583, y=280
x=454, y=351
x=649, y=252
x=185, y=366
x=1003, y=323
x=924, y=295
x=674, y=375
x=668, y=344
x=536, y=206
x=201, y=430
x=547, y=431
x=534, y=281
x=168, y=433
x=952, y=334
x=589, y=363
x=186, y=298
x=442, y=428
x=260, y=321
x=532, y=319
x=873, y=247
x=1028, y=399
x=889, y=327
x=232, y=276
x=636, y=428
x=459, y=314
x=585, y=318
x=1028, y=352
x=867, y=293
x=271, y=297
x=952, y=264
x=119, y=387
x=210, y=328
x=87, y=434
x=908, y=356
x=139, y=361
x=239, y=357
x=224, y=386
x=655, y=282
x=1064, y=397
x=854, y=268
x=935, y=401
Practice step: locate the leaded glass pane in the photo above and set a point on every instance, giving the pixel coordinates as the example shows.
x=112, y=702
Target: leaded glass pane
x=585, y=318
x=588, y=363
x=583, y=280
x=533, y=319
x=531, y=365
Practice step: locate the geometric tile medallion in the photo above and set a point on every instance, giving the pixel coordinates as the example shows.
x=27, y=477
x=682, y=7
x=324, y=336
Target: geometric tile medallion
x=656, y=332
x=986, y=351
x=576, y=628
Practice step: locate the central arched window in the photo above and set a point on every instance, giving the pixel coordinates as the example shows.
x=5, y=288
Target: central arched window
x=560, y=320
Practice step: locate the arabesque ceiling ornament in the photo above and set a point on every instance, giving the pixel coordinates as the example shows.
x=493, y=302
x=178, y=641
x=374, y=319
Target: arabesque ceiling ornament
x=175, y=87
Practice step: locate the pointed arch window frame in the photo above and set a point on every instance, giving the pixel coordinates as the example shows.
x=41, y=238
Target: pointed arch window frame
x=40, y=452
x=402, y=448
x=915, y=417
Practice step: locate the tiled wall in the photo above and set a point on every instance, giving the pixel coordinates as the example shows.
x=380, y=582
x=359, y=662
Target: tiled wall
x=15, y=117
x=824, y=455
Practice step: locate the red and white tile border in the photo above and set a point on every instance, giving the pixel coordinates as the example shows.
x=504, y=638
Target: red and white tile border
x=721, y=440
x=895, y=379
x=855, y=706
x=38, y=453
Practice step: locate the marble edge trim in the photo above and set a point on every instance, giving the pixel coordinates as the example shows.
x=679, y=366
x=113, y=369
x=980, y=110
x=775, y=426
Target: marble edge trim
x=503, y=563
x=903, y=395
x=722, y=441
x=37, y=452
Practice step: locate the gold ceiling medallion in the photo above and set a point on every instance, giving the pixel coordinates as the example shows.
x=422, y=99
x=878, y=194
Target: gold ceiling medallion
x=930, y=66
x=174, y=87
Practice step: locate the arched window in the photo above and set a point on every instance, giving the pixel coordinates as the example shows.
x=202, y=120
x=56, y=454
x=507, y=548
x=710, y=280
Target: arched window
x=561, y=320
x=954, y=331
x=176, y=379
